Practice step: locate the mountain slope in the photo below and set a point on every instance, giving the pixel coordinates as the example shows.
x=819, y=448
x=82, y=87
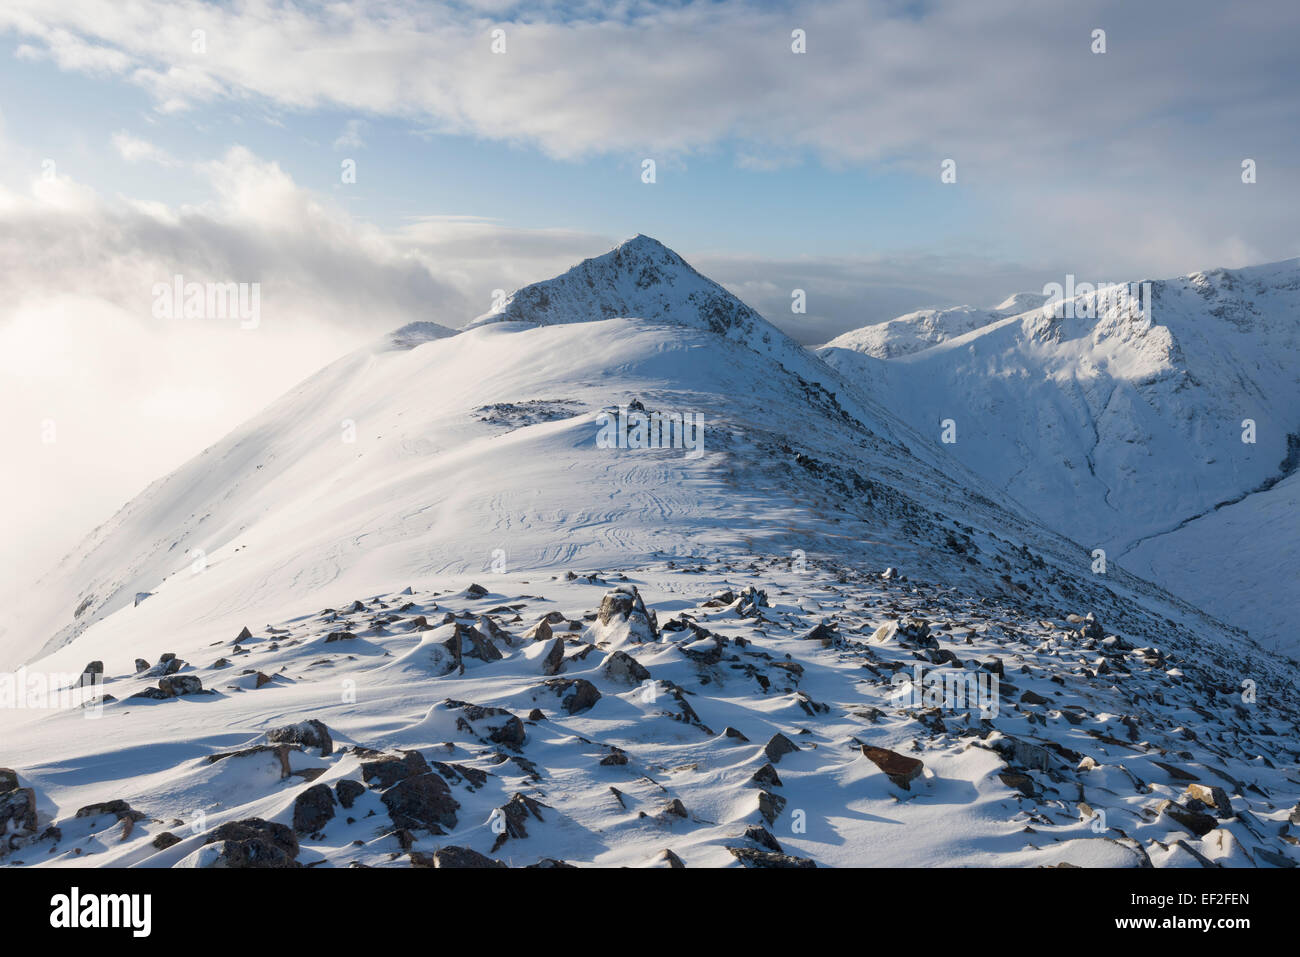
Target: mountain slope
x=664, y=645
x=927, y=327
x=1117, y=428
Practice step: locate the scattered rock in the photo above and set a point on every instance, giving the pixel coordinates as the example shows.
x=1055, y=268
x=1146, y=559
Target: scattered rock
x=576, y=694
x=173, y=686
x=313, y=809
x=254, y=842
x=454, y=856
x=388, y=770
x=1210, y=796
x=553, y=663
x=348, y=791
x=489, y=724
x=622, y=667
x=763, y=837
x=423, y=800
x=755, y=858
x=310, y=733
x=1198, y=822
x=672, y=860
x=778, y=747
x=900, y=769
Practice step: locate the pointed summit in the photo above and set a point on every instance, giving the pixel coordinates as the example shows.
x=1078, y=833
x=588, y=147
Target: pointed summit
x=639, y=278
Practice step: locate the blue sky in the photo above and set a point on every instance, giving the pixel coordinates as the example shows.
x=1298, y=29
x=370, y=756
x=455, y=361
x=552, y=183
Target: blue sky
x=706, y=201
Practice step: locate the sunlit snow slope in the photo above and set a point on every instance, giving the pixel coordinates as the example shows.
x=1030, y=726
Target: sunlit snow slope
x=1125, y=431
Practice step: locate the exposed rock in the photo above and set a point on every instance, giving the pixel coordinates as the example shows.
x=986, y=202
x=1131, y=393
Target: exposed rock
x=623, y=617
x=155, y=694
x=310, y=733
x=822, y=632
x=553, y=663
x=515, y=814
x=672, y=860
x=489, y=724
x=1210, y=796
x=165, y=840
x=8, y=780
x=733, y=733
x=752, y=600
x=469, y=642
x=770, y=806
x=1019, y=782
x=763, y=837
x=454, y=856
x=176, y=685
x=18, y=811
x=1177, y=773
x=117, y=807
x=1198, y=822
x=540, y=631
x=254, y=842
x=348, y=791
x=1274, y=858
x=751, y=857
x=778, y=747
x=675, y=808
x=900, y=769
x=766, y=775
x=576, y=694
x=386, y=771
x=313, y=809
x=622, y=667
x=421, y=801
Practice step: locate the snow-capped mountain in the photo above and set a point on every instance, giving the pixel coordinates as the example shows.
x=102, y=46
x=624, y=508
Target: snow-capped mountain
x=1163, y=438
x=621, y=575
x=927, y=327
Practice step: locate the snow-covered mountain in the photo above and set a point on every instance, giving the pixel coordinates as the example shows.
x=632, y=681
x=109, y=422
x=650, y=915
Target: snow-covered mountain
x=927, y=327
x=1124, y=431
x=621, y=575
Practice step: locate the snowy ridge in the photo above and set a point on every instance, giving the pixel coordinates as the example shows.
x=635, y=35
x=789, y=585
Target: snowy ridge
x=927, y=327
x=1117, y=427
x=771, y=589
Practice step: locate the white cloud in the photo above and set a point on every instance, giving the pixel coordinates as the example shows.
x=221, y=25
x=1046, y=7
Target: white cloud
x=351, y=138
x=882, y=81
x=135, y=150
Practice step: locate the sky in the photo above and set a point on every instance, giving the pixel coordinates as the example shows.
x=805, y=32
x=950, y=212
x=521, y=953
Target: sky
x=495, y=144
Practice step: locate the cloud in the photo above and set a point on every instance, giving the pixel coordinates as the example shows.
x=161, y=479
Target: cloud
x=350, y=138
x=1120, y=161
x=135, y=150
x=881, y=81
x=133, y=396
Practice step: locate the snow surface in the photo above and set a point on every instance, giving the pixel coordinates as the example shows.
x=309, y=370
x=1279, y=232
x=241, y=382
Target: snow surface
x=1119, y=429
x=431, y=460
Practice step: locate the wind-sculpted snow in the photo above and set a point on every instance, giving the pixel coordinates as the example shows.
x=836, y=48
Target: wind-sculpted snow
x=770, y=588
x=689, y=713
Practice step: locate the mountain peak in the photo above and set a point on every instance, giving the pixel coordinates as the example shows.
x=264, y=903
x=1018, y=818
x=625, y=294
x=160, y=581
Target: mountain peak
x=639, y=278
